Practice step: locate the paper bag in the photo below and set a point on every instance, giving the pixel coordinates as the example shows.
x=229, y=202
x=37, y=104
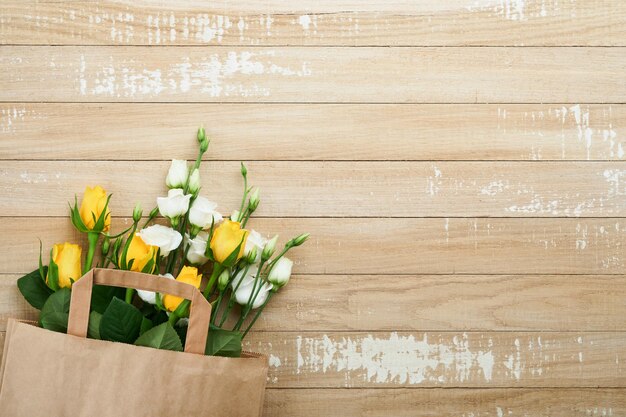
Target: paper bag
x=44, y=373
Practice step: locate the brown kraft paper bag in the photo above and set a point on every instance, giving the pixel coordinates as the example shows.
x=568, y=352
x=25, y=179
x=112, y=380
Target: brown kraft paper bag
x=45, y=373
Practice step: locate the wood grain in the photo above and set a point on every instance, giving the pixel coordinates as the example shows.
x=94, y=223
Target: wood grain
x=314, y=131
x=336, y=189
x=424, y=302
x=396, y=246
x=445, y=402
x=312, y=74
x=280, y=22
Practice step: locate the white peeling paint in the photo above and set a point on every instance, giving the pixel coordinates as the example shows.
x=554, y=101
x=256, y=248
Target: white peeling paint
x=397, y=359
x=494, y=187
x=214, y=75
x=274, y=361
x=305, y=22
x=434, y=182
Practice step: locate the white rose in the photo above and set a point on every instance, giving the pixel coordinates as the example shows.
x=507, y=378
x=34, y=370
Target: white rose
x=280, y=272
x=255, y=240
x=177, y=175
x=202, y=213
x=242, y=295
x=150, y=296
x=175, y=204
x=166, y=238
x=197, y=248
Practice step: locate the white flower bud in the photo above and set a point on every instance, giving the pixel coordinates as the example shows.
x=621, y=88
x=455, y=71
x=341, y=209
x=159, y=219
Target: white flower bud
x=166, y=238
x=269, y=248
x=255, y=241
x=175, y=204
x=202, y=213
x=177, y=174
x=280, y=272
x=254, y=200
x=194, y=181
x=222, y=280
x=235, y=216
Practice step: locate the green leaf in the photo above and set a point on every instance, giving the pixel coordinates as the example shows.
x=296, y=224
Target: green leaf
x=93, y=331
x=223, y=343
x=99, y=223
x=120, y=322
x=34, y=289
x=42, y=272
x=77, y=221
x=101, y=297
x=53, y=274
x=182, y=332
x=55, y=311
x=162, y=336
x=146, y=325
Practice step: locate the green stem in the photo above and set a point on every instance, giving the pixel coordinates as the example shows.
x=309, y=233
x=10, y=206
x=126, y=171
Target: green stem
x=129, y=295
x=217, y=270
x=245, y=195
x=231, y=301
x=258, y=313
x=253, y=293
x=246, y=217
x=217, y=307
x=93, y=241
x=148, y=220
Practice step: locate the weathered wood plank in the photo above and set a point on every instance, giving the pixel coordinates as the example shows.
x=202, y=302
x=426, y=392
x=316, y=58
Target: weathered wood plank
x=280, y=22
x=444, y=359
x=314, y=131
x=312, y=74
x=361, y=189
x=445, y=402
x=396, y=246
x=427, y=303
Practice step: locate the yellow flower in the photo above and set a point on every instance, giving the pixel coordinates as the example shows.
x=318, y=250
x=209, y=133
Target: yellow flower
x=140, y=253
x=67, y=257
x=92, y=205
x=226, y=237
x=188, y=275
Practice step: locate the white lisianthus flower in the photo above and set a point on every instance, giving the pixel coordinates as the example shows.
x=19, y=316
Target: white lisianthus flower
x=246, y=279
x=150, y=296
x=242, y=295
x=280, y=272
x=177, y=174
x=197, y=248
x=175, y=204
x=166, y=238
x=255, y=240
x=202, y=213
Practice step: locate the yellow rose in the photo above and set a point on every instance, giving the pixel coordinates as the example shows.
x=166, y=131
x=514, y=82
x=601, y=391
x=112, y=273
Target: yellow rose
x=226, y=237
x=188, y=275
x=92, y=205
x=140, y=253
x=67, y=257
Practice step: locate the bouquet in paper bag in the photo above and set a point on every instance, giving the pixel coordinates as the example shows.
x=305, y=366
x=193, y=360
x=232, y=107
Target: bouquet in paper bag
x=183, y=238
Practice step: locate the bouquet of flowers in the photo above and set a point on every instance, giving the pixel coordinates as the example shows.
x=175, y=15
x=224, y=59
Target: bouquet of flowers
x=183, y=238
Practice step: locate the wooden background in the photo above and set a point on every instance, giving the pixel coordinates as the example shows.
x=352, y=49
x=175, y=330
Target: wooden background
x=460, y=165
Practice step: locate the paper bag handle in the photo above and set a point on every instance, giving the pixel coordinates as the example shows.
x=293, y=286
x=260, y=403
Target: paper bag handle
x=199, y=315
